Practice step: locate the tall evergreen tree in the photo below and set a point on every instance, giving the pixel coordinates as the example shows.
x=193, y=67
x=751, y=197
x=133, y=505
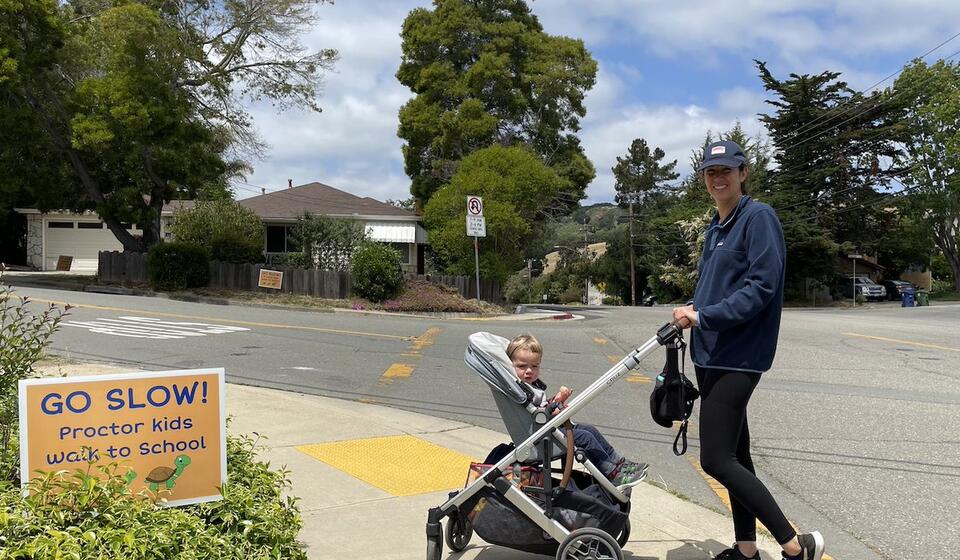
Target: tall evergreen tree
x=640, y=180
x=830, y=144
x=485, y=73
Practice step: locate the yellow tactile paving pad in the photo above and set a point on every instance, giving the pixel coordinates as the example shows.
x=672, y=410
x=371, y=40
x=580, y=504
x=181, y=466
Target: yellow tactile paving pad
x=401, y=465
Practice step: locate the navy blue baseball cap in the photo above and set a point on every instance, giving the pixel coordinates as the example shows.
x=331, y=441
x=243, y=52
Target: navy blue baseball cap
x=723, y=153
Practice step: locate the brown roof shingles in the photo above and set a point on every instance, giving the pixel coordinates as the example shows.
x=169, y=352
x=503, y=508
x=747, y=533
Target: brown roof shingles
x=318, y=198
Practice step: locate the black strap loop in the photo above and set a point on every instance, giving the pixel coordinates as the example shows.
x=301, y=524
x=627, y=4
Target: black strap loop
x=681, y=433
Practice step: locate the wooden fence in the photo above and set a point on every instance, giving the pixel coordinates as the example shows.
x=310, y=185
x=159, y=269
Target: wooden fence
x=123, y=268
x=131, y=268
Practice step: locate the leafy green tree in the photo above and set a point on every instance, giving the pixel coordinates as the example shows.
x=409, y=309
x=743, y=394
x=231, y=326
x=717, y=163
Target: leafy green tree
x=514, y=183
x=139, y=100
x=486, y=73
x=210, y=221
x=327, y=243
x=929, y=103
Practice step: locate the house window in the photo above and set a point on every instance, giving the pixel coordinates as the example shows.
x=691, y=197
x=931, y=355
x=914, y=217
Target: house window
x=276, y=239
x=404, y=250
x=60, y=225
x=90, y=225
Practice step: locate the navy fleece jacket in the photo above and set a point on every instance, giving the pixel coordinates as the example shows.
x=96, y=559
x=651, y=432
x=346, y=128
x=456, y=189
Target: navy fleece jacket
x=739, y=295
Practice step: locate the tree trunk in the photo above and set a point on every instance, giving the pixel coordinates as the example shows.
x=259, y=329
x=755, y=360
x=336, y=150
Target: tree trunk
x=945, y=236
x=94, y=193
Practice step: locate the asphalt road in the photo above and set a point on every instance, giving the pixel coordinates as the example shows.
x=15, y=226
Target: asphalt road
x=854, y=429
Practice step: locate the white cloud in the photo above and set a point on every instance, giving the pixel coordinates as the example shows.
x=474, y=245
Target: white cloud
x=674, y=128
x=353, y=143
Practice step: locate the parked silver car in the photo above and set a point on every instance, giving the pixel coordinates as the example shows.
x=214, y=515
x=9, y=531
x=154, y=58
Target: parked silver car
x=866, y=287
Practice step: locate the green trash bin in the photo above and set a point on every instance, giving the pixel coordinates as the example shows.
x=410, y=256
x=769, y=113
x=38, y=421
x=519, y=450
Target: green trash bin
x=923, y=297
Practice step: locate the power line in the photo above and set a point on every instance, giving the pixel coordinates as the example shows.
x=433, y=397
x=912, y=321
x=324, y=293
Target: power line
x=830, y=114
x=877, y=105
x=882, y=198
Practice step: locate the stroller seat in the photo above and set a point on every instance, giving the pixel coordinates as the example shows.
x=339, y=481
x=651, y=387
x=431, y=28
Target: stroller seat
x=487, y=355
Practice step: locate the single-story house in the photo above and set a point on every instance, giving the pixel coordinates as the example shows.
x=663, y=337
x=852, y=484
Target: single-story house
x=385, y=223
x=82, y=236
x=61, y=233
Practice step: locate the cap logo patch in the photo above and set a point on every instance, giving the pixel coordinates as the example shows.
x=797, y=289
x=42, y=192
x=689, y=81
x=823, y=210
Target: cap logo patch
x=718, y=150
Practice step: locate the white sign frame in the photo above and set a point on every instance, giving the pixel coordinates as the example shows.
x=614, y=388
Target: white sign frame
x=474, y=206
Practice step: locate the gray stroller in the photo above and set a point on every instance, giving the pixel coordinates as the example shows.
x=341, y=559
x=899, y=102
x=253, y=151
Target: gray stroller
x=515, y=500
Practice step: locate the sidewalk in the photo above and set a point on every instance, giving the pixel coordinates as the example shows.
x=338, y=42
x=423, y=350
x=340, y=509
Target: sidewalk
x=347, y=515
x=367, y=474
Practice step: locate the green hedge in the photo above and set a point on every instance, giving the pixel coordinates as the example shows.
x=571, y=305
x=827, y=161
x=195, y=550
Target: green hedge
x=376, y=272
x=232, y=248
x=74, y=515
x=177, y=266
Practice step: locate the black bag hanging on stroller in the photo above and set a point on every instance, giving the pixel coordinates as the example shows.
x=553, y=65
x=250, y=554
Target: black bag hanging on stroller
x=673, y=395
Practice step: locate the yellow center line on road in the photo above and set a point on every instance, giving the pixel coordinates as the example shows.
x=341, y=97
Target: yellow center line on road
x=898, y=341
x=403, y=371
x=218, y=320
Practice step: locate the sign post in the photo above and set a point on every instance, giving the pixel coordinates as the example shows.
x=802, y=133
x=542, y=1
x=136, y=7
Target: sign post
x=166, y=430
x=477, y=228
x=854, y=257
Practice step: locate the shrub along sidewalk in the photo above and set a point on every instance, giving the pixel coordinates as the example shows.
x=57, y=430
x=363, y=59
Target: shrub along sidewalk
x=90, y=513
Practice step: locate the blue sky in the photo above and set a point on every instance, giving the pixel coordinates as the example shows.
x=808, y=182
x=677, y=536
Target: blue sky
x=669, y=72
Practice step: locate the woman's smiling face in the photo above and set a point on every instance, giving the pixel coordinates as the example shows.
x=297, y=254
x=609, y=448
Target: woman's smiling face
x=725, y=184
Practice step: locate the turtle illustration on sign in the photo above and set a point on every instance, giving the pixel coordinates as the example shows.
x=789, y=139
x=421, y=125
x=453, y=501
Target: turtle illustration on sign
x=166, y=475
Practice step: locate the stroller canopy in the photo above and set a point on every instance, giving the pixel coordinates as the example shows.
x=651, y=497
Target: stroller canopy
x=487, y=355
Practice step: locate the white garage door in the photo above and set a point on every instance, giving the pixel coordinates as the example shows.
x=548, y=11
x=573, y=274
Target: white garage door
x=81, y=239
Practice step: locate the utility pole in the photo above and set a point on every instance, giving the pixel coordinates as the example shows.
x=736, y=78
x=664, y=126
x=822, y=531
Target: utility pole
x=586, y=288
x=529, y=280
x=633, y=280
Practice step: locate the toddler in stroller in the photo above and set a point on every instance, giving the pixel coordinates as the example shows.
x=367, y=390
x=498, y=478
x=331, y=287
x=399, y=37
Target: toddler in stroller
x=526, y=353
x=582, y=515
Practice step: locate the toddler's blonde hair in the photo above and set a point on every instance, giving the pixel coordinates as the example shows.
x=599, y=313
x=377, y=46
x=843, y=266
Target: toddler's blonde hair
x=524, y=342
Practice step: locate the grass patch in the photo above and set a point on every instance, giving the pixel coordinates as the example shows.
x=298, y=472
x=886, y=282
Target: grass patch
x=279, y=299
x=945, y=296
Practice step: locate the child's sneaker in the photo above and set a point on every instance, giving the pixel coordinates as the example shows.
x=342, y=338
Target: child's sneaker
x=811, y=547
x=735, y=554
x=634, y=468
x=626, y=480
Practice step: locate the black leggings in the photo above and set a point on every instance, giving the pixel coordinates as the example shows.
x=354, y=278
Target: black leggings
x=725, y=452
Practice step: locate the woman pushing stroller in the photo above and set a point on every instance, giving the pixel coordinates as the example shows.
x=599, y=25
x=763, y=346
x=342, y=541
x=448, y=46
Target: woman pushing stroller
x=526, y=353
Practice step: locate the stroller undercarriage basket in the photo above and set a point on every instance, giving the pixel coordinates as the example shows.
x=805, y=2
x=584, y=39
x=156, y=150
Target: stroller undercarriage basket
x=499, y=522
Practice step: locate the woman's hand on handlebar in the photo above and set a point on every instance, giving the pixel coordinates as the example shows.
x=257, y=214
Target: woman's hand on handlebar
x=685, y=317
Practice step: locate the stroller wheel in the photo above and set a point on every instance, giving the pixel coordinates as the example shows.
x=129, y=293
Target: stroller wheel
x=458, y=531
x=624, y=534
x=434, y=548
x=589, y=543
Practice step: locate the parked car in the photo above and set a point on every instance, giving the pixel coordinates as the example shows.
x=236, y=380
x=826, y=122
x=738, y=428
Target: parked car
x=866, y=287
x=895, y=288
